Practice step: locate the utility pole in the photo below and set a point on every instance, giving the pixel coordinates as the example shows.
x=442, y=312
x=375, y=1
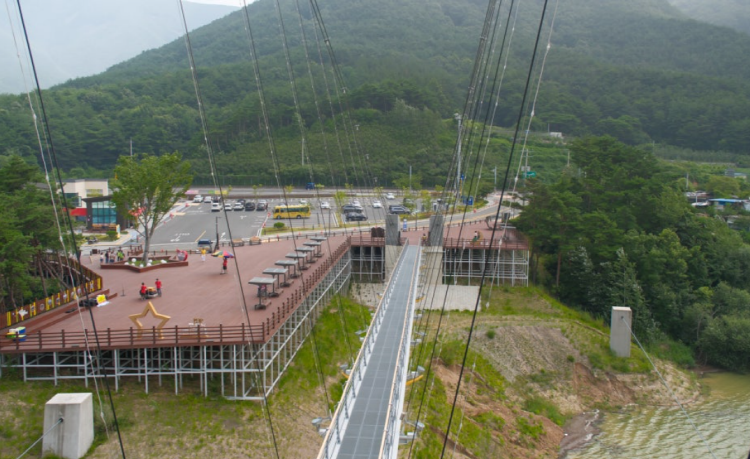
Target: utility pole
x=458, y=154
x=495, y=185
x=409, y=178
x=303, y=151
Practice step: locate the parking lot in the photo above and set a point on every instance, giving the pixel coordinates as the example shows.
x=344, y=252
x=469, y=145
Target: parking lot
x=191, y=221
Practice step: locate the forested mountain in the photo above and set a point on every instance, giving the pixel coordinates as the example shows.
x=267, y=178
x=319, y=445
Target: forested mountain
x=729, y=13
x=638, y=70
x=76, y=38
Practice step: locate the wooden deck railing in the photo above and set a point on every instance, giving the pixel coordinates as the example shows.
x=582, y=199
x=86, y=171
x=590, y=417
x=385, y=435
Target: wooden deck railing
x=134, y=338
x=179, y=336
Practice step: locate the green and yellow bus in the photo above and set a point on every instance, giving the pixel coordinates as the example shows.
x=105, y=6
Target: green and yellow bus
x=291, y=211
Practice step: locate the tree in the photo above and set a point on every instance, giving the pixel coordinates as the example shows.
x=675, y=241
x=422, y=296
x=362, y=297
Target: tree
x=426, y=198
x=256, y=192
x=340, y=198
x=148, y=187
x=723, y=187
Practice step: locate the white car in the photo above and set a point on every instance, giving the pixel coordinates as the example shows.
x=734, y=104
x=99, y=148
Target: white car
x=377, y=204
x=228, y=206
x=303, y=202
x=238, y=206
x=198, y=198
x=325, y=205
x=390, y=196
x=207, y=200
x=216, y=207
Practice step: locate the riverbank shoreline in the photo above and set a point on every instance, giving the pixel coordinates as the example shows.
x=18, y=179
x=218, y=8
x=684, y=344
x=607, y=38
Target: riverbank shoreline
x=579, y=431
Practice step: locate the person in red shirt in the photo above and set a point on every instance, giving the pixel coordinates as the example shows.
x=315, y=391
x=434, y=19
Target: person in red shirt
x=224, y=266
x=158, y=287
x=144, y=289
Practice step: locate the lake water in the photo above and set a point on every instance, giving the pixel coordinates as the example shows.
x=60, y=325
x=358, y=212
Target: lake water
x=723, y=419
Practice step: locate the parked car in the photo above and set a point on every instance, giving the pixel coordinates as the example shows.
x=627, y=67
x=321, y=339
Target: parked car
x=216, y=207
x=261, y=206
x=238, y=206
x=351, y=208
x=207, y=199
x=198, y=198
x=228, y=207
x=325, y=205
x=390, y=196
x=205, y=243
x=310, y=186
x=355, y=217
x=377, y=204
x=250, y=205
x=398, y=210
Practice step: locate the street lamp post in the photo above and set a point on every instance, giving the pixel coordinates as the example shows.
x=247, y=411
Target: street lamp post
x=216, y=246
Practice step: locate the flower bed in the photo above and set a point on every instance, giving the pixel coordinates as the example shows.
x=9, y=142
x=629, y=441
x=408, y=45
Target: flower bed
x=158, y=262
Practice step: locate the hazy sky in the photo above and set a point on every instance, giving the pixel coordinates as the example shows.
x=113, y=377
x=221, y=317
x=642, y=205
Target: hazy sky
x=236, y=3
x=75, y=38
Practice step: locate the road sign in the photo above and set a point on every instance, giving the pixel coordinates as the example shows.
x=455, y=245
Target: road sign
x=530, y=174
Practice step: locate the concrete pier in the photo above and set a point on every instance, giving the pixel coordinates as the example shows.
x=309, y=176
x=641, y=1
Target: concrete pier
x=619, y=334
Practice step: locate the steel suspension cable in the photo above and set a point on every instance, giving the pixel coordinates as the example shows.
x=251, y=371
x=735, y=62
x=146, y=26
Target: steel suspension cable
x=317, y=191
x=204, y=123
x=475, y=77
x=484, y=271
x=41, y=144
x=53, y=155
x=532, y=113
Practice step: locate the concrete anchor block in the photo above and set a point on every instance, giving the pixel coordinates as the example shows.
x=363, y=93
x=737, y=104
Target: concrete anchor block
x=73, y=437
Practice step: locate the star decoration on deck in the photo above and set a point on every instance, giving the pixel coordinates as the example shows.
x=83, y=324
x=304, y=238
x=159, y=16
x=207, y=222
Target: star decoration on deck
x=150, y=307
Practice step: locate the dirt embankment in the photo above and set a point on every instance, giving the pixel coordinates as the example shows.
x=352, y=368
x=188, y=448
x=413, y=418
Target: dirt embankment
x=547, y=358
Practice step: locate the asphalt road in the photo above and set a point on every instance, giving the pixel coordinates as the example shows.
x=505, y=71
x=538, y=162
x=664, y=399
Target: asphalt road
x=192, y=221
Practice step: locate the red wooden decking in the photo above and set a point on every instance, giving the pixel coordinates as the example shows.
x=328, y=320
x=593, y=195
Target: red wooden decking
x=195, y=291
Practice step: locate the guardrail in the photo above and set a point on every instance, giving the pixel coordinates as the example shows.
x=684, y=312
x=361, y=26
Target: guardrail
x=58, y=299
x=389, y=446
x=340, y=417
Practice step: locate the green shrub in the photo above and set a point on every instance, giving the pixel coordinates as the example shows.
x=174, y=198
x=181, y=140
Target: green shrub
x=540, y=406
x=526, y=428
x=278, y=225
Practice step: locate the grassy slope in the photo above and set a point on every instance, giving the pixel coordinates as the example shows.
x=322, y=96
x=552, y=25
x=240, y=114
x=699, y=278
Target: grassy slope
x=529, y=355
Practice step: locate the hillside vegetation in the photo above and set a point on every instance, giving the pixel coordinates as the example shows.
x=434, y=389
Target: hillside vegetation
x=619, y=231
x=639, y=71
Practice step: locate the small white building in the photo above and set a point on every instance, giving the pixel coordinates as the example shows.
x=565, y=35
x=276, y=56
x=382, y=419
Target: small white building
x=79, y=189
